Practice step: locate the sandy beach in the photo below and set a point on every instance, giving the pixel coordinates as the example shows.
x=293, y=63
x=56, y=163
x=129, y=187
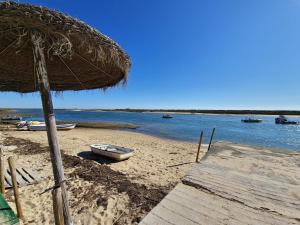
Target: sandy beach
x=100, y=191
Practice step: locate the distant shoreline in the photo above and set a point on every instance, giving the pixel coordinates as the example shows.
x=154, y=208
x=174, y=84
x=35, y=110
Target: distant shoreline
x=181, y=111
x=196, y=111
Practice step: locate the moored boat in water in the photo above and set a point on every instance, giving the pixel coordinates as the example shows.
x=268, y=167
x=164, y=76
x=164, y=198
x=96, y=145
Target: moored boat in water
x=251, y=120
x=167, y=116
x=283, y=120
x=112, y=151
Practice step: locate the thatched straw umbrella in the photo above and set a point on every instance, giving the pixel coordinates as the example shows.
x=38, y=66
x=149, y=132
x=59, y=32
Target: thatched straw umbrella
x=43, y=50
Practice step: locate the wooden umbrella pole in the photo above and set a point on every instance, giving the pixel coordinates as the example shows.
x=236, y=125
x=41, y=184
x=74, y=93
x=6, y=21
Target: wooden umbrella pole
x=40, y=70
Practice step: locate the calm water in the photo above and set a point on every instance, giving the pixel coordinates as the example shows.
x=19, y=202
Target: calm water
x=188, y=127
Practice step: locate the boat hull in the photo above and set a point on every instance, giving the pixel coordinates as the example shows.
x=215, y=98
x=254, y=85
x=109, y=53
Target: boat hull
x=119, y=155
x=288, y=123
x=10, y=121
x=167, y=117
x=42, y=127
x=284, y=121
x=251, y=121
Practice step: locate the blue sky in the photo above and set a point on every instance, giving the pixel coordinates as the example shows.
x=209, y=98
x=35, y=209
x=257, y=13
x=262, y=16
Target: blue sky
x=212, y=54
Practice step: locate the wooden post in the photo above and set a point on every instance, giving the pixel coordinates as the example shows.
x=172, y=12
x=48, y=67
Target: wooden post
x=57, y=206
x=211, y=138
x=2, y=171
x=40, y=70
x=12, y=168
x=199, y=146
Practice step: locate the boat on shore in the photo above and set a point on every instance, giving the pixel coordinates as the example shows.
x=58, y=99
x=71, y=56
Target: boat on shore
x=167, y=116
x=112, y=151
x=42, y=126
x=283, y=120
x=10, y=119
x=251, y=120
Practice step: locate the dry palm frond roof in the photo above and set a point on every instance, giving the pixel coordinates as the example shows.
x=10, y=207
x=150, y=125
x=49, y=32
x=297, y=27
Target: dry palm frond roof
x=77, y=56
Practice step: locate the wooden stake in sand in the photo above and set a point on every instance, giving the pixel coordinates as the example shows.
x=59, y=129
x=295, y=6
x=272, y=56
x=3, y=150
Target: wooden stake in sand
x=58, y=206
x=2, y=178
x=40, y=70
x=199, y=146
x=211, y=138
x=12, y=168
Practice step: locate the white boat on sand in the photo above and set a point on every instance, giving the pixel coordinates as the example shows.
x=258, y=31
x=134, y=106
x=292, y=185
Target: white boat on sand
x=42, y=126
x=112, y=151
x=10, y=119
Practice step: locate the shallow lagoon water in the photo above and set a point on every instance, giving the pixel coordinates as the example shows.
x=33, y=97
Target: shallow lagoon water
x=187, y=127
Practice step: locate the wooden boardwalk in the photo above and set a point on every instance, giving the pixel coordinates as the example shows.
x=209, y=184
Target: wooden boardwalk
x=25, y=176
x=235, y=184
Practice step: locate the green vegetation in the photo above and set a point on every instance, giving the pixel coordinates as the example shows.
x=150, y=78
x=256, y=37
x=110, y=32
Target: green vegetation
x=105, y=125
x=210, y=111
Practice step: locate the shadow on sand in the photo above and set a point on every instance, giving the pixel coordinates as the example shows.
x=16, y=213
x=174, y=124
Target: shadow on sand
x=97, y=158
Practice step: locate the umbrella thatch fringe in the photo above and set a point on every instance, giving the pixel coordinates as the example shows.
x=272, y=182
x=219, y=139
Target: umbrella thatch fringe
x=64, y=37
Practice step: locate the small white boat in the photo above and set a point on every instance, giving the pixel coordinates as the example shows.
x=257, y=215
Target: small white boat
x=112, y=151
x=42, y=127
x=10, y=119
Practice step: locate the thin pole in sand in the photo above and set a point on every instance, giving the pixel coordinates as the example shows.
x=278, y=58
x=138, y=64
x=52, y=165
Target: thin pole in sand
x=211, y=138
x=2, y=171
x=58, y=206
x=199, y=146
x=12, y=168
x=40, y=70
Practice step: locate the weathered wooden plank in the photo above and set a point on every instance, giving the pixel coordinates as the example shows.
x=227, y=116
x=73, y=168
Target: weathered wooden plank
x=260, y=194
x=204, y=208
x=8, y=179
x=32, y=174
x=171, y=216
x=218, y=209
x=152, y=219
x=20, y=181
x=235, y=185
x=263, y=190
x=260, y=189
x=6, y=184
x=25, y=176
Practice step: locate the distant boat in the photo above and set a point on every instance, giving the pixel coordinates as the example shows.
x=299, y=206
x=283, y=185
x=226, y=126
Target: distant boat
x=11, y=119
x=167, y=116
x=112, y=151
x=42, y=127
x=283, y=120
x=251, y=120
